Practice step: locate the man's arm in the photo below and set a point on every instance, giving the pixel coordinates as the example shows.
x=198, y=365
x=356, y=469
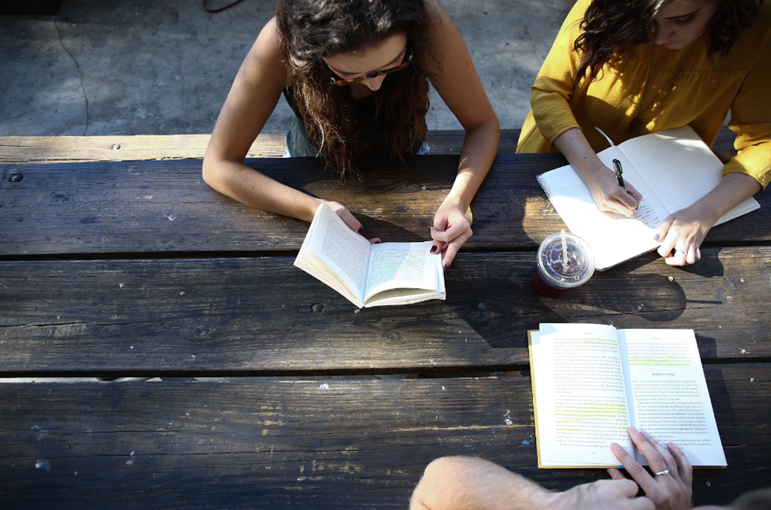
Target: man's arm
x=469, y=483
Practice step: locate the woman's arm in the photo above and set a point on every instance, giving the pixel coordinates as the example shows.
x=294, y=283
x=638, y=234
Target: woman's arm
x=746, y=174
x=252, y=98
x=461, y=89
x=602, y=183
x=684, y=230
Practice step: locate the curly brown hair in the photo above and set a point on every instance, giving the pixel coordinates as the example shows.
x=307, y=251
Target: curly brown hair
x=312, y=29
x=609, y=27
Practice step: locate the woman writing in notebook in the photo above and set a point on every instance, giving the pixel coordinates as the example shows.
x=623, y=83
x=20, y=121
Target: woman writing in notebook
x=356, y=73
x=642, y=66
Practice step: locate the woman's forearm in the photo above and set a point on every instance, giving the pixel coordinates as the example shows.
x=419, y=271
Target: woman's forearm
x=733, y=189
x=254, y=189
x=476, y=158
x=576, y=149
x=601, y=182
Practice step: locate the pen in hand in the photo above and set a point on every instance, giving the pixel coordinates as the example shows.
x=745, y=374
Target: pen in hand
x=619, y=171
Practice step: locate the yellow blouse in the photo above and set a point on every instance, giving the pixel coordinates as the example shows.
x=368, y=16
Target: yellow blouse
x=701, y=94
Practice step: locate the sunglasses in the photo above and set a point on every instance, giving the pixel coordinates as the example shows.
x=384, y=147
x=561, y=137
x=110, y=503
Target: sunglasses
x=339, y=82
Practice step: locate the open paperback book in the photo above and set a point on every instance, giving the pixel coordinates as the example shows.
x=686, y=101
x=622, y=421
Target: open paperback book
x=672, y=170
x=369, y=274
x=591, y=382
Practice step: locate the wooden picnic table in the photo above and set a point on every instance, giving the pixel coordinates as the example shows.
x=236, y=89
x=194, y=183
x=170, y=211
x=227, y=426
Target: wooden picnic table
x=113, y=268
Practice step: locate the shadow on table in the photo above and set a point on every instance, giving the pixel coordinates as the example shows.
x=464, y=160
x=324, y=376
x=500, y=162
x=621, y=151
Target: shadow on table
x=500, y=305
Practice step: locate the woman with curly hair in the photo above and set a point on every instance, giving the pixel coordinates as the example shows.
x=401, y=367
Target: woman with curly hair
x=356, y=73
x=641, y=66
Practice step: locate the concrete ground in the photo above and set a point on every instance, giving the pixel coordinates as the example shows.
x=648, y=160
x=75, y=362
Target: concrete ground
x=165, y=66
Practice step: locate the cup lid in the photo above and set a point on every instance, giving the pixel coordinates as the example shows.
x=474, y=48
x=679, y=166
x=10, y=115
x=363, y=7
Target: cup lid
x=578, y=268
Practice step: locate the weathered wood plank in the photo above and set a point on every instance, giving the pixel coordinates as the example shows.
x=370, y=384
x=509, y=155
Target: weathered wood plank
x=65, y=149
x=245, y=316
x=294, y=444
x=164, y=206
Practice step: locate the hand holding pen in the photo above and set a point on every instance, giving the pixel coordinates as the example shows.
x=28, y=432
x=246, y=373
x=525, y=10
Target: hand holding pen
x=616, y=197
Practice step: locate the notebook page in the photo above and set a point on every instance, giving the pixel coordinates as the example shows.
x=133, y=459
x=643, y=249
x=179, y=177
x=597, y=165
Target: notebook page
x=680, y=168
x=677, y=165
x=612, y=240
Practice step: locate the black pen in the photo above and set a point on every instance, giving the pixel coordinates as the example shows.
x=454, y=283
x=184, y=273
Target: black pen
x=619, y=171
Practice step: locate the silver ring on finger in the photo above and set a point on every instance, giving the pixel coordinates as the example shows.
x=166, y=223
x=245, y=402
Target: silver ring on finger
x=662, y=473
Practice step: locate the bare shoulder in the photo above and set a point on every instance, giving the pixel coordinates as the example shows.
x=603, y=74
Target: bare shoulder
x=439, y=19
x=446, y=39
x=264, y=57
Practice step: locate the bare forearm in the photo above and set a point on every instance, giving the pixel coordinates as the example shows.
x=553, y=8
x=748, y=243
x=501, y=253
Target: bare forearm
x=476, y=157
x=254, y=189
x=732, y=190
x=601, y=182
x=576, y=149
x=470, y=483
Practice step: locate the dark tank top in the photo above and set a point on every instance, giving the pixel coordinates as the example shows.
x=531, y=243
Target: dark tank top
x=363, y=113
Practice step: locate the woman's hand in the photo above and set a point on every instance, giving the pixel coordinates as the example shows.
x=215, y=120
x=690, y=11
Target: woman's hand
x=683, y=231
x=347, y=216
x=612, y=199
x=451, y=229
x=349, y=219
x=670, y=490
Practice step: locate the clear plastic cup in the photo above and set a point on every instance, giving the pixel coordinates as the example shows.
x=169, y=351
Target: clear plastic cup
x=553, y=275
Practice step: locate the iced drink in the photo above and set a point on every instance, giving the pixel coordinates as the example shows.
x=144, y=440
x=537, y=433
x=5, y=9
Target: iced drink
x=554, y=274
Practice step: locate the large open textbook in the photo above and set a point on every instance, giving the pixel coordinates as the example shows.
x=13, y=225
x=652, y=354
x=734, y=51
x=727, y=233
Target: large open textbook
x=672, y=170
x=369, y=274
x=591, y=382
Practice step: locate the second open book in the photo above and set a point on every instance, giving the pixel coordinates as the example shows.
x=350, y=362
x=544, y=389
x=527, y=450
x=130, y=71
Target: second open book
x=672, y=170
x=369, y=274
x=591, y=382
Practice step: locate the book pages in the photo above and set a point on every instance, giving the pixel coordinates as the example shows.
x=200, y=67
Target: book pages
x=335, y=254
x=581, y=398
x=403, y=273
x=669, y=392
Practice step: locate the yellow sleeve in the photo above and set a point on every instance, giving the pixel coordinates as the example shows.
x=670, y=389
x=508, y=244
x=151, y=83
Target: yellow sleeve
x=751, y=120
x=554, y=85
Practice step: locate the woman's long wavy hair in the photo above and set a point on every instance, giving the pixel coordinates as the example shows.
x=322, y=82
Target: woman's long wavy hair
x=312, y=29
x=611, y=26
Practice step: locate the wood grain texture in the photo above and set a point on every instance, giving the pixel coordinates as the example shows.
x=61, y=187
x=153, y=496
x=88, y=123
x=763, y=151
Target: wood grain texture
x=255, y=316
x=164, y=206
x=64, y=149
x=357, y=444
x=67, y=149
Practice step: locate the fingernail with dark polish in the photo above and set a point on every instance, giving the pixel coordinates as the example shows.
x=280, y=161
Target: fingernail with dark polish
x=361, y=231
x=656, y=237
x=433, y=249
x=377, y=242
x=446, y=266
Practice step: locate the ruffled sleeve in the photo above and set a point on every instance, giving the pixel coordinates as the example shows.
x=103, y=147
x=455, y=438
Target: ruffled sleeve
x=751, y=120
x=554, y=85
